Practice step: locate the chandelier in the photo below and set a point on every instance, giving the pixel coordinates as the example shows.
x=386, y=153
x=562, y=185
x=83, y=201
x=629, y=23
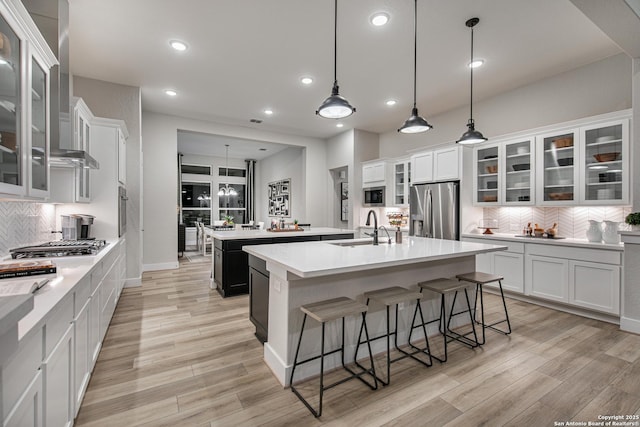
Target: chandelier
x=226, y=190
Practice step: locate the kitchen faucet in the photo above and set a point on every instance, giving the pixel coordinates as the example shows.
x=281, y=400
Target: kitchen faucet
x=382, y=227
x=375, y=225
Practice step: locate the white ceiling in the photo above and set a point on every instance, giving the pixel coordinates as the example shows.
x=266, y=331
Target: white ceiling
x=214, y=145
x=247, y=55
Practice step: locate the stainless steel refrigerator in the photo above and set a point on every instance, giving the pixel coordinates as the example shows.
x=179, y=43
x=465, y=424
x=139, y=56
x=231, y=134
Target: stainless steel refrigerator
x=435, y=210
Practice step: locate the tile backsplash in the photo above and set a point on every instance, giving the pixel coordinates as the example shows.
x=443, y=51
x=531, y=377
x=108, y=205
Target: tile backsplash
x=572, y=221
x=25, y=223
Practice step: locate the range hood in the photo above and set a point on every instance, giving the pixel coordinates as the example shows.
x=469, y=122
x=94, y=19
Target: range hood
x=52, y=19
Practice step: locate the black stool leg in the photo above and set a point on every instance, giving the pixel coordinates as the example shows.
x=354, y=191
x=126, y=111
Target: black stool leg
x=295, y=363
x=504, y=304
x=475, y=310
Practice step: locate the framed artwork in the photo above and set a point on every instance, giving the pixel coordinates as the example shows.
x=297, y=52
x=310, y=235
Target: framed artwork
x=279, y=198
x=344, y=201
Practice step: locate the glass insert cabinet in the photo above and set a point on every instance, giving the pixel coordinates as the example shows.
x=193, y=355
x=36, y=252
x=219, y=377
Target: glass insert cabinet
x=587, y=164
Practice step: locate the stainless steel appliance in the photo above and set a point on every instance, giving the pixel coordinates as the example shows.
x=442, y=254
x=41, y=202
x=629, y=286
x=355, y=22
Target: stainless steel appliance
x=59, y=248
x=76, y=226
x=435, y=210
x=122, y=211
x=374, y=196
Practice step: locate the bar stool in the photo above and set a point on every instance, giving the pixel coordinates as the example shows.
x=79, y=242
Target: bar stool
x=480, y=278
x=323, y=312
x=394, y=296
x=443, y=287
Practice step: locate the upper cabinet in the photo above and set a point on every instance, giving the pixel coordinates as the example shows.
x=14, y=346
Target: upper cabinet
x=401, y=183
x=437, y=165
x=25, y=61
x=605, y=163
x=585, y=163
x=82, y=118
x=374, y=174
x=558, y=169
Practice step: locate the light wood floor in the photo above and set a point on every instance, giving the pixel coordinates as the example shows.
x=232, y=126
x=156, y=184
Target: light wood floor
x=177, y=354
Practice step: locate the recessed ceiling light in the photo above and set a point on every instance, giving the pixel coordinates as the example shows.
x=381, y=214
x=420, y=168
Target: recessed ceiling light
x=268, y=111
x=379, y=19
x=306, y=80
x=476, y=63
x=391, y=102
x=170, y=92
x=178, y=45
x=339, y=125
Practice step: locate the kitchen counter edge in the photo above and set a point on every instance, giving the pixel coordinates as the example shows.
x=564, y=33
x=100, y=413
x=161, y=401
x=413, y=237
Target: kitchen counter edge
x=578, y=243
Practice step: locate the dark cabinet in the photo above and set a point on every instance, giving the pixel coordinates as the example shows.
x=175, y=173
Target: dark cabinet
x=231, y=265
x=259, y=296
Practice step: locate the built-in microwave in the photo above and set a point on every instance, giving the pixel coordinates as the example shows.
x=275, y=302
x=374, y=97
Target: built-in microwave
x=374, y=196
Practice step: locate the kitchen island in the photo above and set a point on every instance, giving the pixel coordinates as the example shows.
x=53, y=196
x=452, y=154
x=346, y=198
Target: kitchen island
x=229, y=264
x=303, y=273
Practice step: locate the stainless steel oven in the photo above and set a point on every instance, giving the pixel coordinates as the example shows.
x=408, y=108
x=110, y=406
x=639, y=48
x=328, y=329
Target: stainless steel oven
x=374, y=196
x=122, y=211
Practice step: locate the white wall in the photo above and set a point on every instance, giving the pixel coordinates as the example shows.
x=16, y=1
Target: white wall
x=287, y=163
x=115, y=101
x=340, y=154
x=160, y=133
x=597, y=88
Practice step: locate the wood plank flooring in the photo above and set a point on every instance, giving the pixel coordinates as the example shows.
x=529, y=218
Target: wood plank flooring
x=177, y=354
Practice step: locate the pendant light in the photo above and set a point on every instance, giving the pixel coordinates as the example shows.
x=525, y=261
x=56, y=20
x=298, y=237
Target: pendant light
x=335, y=106
x=471, y=136
x=415, y=123
x=226, y=190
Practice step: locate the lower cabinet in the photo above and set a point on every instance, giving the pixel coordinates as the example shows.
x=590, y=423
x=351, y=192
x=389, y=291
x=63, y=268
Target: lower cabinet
x=82, y=353
x=259, y=296
x=95, y=339
x=595, y=286
x=58, y=383
x=27, y=411
x=509, y=264
x=548, y=277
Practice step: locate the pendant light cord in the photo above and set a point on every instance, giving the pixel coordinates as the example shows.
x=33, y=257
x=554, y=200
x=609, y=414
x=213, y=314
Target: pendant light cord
x=415, y=49
x=471, y=94
x=335, y=42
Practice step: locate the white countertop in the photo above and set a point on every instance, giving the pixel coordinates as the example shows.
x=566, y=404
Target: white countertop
x=70, y=270
x=264, y=234
x=579, y=243
x=12, y=309
x=315, y=259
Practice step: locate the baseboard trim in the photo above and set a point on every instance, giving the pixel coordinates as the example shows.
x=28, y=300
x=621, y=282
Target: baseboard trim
x=133, y=282
x=160, y=266
x=630, y=325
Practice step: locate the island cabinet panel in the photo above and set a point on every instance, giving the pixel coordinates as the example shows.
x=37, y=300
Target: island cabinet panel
x=28, y=410
x=231, y=264
x=259, y=296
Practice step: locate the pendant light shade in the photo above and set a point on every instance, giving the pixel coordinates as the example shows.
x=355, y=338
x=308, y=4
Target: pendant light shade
x=335, y=106
x=415, y=123
x=226, y=190
x=471, y=136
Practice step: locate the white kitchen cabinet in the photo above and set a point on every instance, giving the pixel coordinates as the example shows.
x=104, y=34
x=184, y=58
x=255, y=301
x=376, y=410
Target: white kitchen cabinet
x=374, y=174
x=604, y=161
x=446, y=164
x=58, y=371
x=486, y=168
x=82, y=353
x=437, y=165
x=509, y=264
x=82, y=141
x=557, y=167
x=122, y=158
x=94, y=313
x=595, y=286
x=24, y=105
x=422, y=168
x=27, y=412
x=517, y=165
x=547, y=277
x=401, y=183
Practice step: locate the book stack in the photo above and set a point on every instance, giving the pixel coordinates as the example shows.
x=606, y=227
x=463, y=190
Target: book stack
x=24, y=269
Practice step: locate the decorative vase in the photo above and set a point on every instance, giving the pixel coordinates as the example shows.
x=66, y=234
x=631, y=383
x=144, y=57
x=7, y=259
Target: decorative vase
x=610, y=233
x=594, y=232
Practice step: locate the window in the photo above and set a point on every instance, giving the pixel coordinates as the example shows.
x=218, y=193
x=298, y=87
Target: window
x=232, y=205
x=196, y=169
x=233, y=172
x=196, y=203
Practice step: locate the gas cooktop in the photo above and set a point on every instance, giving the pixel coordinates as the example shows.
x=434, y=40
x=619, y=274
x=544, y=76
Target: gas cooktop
x=59, y=248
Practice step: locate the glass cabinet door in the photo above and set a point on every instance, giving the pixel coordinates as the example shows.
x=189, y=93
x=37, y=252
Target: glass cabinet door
x=10, y=108
x=487, y=174
x=559, y=169
x=39, y=160
x=605, y=154
x=518, y=166
x=399, y=186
